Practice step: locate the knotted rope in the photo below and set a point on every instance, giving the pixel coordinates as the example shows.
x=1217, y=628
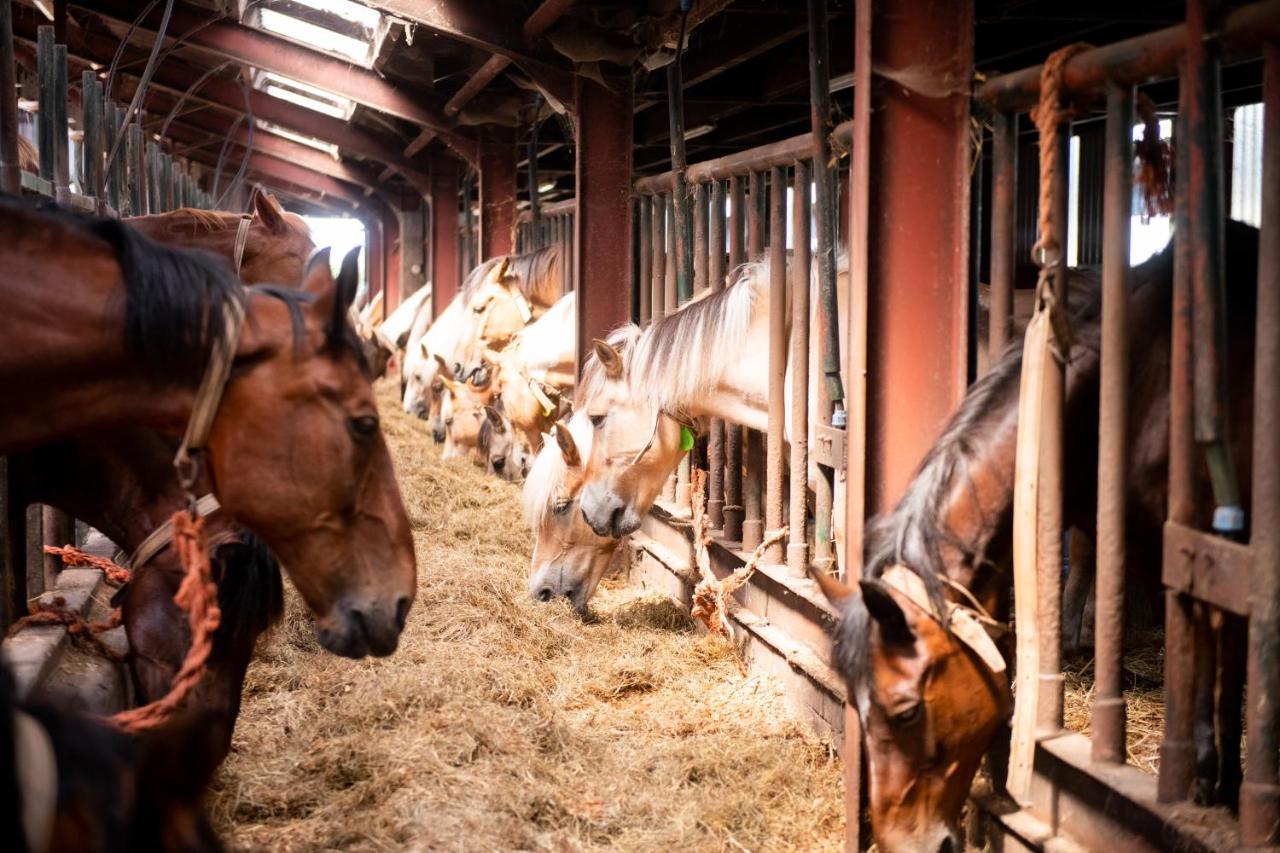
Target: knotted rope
x=116, y=575
x=711, y=595
x=1047, y=117
x=198, y=596
x=55, y=612
x=1155, y=161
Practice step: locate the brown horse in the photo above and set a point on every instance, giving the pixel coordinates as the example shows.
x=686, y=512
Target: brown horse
x=70, y=783
x=930, y=707
x=124, y=339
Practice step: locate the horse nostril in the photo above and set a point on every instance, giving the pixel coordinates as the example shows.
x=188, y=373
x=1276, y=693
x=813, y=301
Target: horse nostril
x=545, y=594
x=358, y=624
x=402, y=612
x=615, y=521
x=946, y=846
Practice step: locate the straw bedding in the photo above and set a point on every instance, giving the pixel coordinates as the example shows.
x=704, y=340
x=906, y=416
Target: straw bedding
x=501, y=724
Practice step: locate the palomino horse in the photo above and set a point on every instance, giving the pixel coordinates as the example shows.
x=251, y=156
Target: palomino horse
x=504, y=453
x=125, y=338
x=569, y=558
x=496, y=301
x=462, y=409
x=930, y=707
x=70, y=783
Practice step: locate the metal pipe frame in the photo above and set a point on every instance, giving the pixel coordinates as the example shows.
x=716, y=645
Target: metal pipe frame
x=776, y=462
x=733, y=510
x=644, y=275
x=10, y=170
x=715, y=438
x=1004, y=239
x=45, y=96
x=753, y=473
x=1113, y=426
x=797, y=538
x=658, y=270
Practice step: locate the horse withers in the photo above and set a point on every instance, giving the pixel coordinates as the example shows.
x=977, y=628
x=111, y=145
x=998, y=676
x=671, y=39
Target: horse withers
x=295, y=450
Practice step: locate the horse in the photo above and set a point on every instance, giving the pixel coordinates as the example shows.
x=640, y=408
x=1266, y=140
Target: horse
x=70, y=783
x=930, y=706
x=125, y=338
x=504, y=453
x=569, y=558
x=497, y=300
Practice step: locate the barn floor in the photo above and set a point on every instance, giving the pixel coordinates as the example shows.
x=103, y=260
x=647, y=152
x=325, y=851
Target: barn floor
x=505, y=725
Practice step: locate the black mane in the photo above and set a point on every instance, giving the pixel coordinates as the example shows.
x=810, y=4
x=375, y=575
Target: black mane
x=250, y=592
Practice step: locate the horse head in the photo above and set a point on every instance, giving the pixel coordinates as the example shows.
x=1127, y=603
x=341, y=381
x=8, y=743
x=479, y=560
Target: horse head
x=467, y=390
x=504, y=451
x=635, y=446
x=299, y=400
x=278, y=243
x=568, y=557
x=931, y=698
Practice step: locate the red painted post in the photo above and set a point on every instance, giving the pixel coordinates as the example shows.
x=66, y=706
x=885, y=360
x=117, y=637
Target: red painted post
x=497, y=199
x=445, y=273
x=918, y=255
x=391, y=260
x=602, y=222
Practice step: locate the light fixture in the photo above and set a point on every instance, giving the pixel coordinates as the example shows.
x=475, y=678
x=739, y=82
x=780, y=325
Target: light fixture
x=698, y=130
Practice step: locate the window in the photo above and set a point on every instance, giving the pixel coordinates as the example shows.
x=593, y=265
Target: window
x=341, y=28
x=327, y=147
x=303, y=94
x=1246, y=165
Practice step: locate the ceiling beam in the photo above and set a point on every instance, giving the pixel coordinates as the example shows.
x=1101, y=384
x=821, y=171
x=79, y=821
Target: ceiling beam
x=226, y=38
x=473, y=24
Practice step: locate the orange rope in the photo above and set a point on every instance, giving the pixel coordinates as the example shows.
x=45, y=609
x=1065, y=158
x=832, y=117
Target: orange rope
x=1048, y=116
x=116, y=575
x=198, y=596
x=1155, y=161
x=55, y=612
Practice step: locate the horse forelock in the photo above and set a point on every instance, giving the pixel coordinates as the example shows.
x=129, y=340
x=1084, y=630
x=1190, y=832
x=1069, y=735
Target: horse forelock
x=346, y=339
x=680, y=358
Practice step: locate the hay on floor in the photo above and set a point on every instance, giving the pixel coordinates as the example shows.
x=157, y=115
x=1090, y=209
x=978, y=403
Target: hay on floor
x=503, y=724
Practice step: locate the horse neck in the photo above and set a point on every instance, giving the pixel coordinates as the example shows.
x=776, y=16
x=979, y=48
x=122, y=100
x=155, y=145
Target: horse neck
x=181, y=228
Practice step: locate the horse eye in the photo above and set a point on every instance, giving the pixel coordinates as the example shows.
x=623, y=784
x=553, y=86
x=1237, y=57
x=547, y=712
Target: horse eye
x=560, y=507
x=597, y=420
x=909, y=715
x=364, y=426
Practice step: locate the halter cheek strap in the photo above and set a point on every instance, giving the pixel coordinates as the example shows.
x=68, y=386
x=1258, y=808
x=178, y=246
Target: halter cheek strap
x=242, y=238
x=209, y=397
x=971, y=626
x=162, y=536
x=37, y=770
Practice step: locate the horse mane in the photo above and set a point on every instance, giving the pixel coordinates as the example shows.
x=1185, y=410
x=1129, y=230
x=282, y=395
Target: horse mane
x=174, y=297
x=532, y=269
x=210, y=220
x=348, y=338
x=250, y=592
x=548, y=469
x=710, y=331
x=474, y=278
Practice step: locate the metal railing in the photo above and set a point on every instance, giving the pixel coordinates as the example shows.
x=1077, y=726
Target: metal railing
x=553, y=227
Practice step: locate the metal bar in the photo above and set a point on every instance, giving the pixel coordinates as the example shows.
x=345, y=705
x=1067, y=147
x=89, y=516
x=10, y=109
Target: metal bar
x=61, y=142
x=534, y=207
x=1241, y=33
x=733, y=509
x=832, y=392
x=753, y=474
x=113, y=115
x=1260, y=793
x=798, y=432
x=657, y=294
x=91, y=127
x=755, y=216
x=644, y=276
x=10, y=169
x=1113, y=423
x=776, y=463
x=715, y=438
x=680, y=244
x=671, y=295
x=1004, y=238
x=699, y=238
x=1050, y=493
x=1177, y=750
x=497, y=199
x=45, y=96
x=13, y=574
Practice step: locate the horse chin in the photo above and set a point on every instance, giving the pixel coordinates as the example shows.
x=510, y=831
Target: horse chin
x=935, y=838
x=351, y=632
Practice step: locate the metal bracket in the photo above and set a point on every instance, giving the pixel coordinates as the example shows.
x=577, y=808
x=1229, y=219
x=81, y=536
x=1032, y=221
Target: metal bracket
x=829, y=447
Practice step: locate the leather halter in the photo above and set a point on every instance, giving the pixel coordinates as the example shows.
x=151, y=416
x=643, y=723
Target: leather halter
x=242, y=239
x=162, y=536
x=208, y=398
x=37, y=770
x=653, y=434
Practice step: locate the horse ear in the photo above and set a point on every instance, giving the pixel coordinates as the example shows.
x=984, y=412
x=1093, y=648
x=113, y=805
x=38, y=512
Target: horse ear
x=494, y=417
x=884, y=608
x=568, y=448
x=836, y=591
x=500, y=270
x=609, y=358
x=348, y=282
x=317, y=276
x=269, y=211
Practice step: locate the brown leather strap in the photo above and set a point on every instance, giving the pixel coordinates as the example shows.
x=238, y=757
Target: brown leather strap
x=209, y=396
x=162, y=536
x=242, y=239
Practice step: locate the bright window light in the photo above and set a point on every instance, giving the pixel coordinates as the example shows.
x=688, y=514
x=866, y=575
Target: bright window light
x=317, y=37
x=1246, y=165
x=304, y=95
x=347, y=10
x=309, y=141
x=341, y=234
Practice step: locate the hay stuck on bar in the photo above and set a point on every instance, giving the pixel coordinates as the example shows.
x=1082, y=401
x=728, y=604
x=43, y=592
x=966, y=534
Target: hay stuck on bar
x=503, y=724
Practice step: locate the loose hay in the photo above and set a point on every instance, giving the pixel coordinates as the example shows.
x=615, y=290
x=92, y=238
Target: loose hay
x=505, y=724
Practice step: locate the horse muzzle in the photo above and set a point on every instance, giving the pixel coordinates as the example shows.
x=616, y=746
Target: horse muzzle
x=354, y=631
x=607, y=514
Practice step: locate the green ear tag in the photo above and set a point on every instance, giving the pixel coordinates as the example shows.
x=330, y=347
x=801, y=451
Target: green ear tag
x=686, y=439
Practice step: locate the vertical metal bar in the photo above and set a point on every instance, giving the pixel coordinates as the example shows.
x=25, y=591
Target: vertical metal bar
x=58, y=529
x=1004, y=241
x=45, y=95
x=137, y=165
x=732, y=432
x=680, y=243
x=776, y=463
x=798, y=434
x=114, y=116
x=1260, y=793
x=659, y=268
x=1113, y=421
x=715, y=439
x=753, y=475
x=535, y=211
x=91, y=127
x=1049, y=494
x=153, y=179
x=671, y=293
x=1177, y=750
x=61, y=142
x=13, y=534
x=166, y=185
x=645, y=276
x=10, y=170
x=699, y=238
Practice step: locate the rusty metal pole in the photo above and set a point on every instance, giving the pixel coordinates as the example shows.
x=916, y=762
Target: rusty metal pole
x=1260, y=793
x=776, y=463
x=1004, y=239
x=715, y=438
x=671, y=289
x=753, y=473
x=445, y=263
x=10, y=170
x=1113, y=424
x=91, y=127
x=798, y=431
x=658, y=293
x=45, y=110
x=497, y=199
x=680, y=243
x=1177, y=750
x=733, y=510
x=699, y=238
x=61, y=143
x=535, y=221
x=645, y=249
